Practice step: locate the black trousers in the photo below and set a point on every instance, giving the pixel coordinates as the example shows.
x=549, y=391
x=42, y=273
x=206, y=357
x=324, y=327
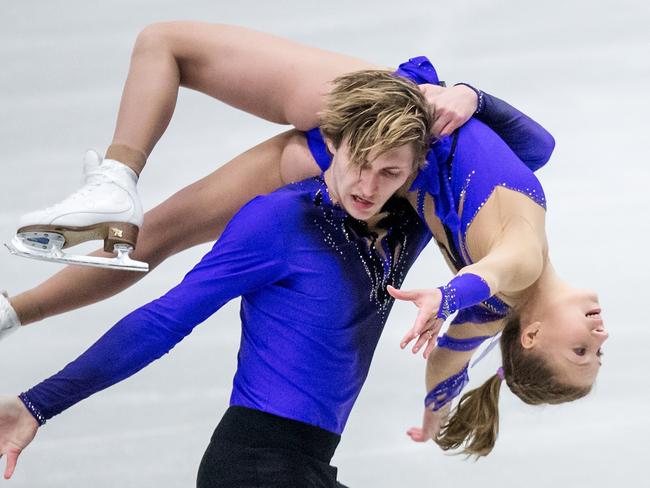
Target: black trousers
x=254, y=449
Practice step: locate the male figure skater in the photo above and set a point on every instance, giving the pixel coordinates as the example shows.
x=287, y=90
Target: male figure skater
x=311, y=262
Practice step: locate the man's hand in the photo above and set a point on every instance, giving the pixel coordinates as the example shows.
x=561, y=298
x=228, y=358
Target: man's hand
x=17, y=429
x=426, y=325
x=431, y=424
x=452, y=107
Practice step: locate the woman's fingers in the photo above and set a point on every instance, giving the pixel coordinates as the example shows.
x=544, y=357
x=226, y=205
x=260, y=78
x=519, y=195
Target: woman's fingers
x=442, y=120
x=452, y=107
x=406, y=295
x=433, y=335
x=431, y=422
x=424, y=338
x=12, y=460
x=428, y=336
x=447, y=129
x=424, y=314
x=426, y=329
x=427, y=302
x=416, y=434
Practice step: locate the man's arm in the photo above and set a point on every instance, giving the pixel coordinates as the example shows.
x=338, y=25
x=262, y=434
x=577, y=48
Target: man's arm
x=243, y=260
x=249, y=256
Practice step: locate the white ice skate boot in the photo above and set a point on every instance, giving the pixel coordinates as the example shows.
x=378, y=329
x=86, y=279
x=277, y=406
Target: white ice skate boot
x=9, y=321
x=107, y=207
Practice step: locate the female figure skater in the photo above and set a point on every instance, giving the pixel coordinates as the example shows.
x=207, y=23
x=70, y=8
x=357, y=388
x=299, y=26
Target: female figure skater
x=177, y=53
x=486, y=211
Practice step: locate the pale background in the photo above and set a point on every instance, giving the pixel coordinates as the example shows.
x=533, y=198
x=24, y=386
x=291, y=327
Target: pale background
x=581, y=68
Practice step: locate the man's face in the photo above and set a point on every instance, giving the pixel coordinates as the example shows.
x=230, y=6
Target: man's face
x=363, y=190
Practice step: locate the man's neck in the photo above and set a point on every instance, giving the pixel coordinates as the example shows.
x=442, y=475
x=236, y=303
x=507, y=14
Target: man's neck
x=331, y=188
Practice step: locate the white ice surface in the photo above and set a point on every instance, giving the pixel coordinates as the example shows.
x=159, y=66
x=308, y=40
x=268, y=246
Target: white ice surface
x=580, y=68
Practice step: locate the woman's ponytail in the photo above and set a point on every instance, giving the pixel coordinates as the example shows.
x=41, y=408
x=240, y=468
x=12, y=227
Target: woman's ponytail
x=474, y=424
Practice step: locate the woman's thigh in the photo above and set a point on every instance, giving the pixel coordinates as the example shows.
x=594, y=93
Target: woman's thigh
x=262, y=74
x=199, y=212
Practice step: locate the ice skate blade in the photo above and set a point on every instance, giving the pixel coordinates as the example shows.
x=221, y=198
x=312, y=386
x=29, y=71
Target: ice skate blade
x=121, y=262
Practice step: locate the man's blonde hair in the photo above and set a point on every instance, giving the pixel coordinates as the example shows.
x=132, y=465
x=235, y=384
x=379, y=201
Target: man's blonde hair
x=374, y=110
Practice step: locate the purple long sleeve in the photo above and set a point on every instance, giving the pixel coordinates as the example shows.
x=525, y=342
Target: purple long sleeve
x=529, y=140
x=246, y=258
x=313, y=307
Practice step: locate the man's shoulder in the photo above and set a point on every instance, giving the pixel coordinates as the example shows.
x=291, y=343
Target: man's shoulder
x=282, y=205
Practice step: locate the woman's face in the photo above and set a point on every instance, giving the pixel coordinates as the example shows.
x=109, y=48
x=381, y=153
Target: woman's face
x=570, y=334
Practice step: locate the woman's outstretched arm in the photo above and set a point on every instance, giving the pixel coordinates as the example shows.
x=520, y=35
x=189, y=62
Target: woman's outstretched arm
x=508, y=241
x=446, y=361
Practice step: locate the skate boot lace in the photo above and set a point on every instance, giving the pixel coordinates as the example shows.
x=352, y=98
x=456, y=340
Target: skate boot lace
x=92, y=181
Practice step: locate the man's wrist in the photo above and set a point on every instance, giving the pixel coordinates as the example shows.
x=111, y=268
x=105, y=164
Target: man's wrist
x=32, y=409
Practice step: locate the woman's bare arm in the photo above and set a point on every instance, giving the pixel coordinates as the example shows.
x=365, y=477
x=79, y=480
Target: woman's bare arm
x=443, y=363
x=507, y=242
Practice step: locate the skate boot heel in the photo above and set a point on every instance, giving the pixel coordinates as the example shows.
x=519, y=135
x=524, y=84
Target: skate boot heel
x=106, y=208
x=47, y=244
x=120, y=233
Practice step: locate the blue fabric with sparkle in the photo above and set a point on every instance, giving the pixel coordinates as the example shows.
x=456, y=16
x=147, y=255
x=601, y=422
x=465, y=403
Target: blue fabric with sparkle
x=318, y=148
x=462, y=292
x=500, y=146
x=314, y=304
x=488, y=151
x=447, y=390
x=462, y=174
x=461, y=344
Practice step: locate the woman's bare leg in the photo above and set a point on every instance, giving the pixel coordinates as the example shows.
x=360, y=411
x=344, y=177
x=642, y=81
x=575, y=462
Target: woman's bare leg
x=273, y=78
x=199, y=213
x=267, y=76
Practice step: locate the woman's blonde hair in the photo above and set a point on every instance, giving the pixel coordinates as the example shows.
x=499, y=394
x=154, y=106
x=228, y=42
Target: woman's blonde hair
x=374, y=110
x=474, y=423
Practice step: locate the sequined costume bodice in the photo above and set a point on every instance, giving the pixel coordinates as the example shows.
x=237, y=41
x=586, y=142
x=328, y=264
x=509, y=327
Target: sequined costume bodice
x=464, y=169
x=461, y=174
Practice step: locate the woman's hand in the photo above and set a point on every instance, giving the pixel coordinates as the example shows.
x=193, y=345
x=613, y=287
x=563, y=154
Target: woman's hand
x=452, y=107
x=427, y=325
x=431, y=424
x=17, y=429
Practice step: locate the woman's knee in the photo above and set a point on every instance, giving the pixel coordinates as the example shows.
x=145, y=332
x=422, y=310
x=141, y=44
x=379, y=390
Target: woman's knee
x=161, y=36
x=157, y=239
